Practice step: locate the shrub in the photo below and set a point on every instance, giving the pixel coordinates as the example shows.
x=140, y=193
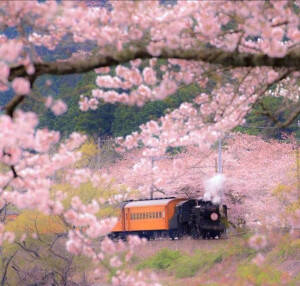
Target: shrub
x=285, y=250
x=162, y=260
x=188, y=266
x=259, y=276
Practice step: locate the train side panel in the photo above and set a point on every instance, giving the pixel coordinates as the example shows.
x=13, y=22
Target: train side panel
x=145, y=218
x=149, y=215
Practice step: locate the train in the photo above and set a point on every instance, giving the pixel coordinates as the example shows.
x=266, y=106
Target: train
x=170, y=218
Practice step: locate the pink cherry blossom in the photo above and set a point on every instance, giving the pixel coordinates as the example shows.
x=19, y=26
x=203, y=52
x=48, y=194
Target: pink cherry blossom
x=84, y=103
x=103, y=70
x=149, y=76
x=21, y=86
x=120, y=35
x=259, y=259
x=136, y=63
x=258, y=242
x=49, y=101
x=59, y=107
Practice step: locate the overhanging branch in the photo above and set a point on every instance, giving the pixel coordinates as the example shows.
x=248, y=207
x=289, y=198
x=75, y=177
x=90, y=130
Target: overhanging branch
x=209, y=55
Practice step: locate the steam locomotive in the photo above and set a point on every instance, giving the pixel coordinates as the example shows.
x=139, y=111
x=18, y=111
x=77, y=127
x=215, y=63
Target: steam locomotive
x=170, y=217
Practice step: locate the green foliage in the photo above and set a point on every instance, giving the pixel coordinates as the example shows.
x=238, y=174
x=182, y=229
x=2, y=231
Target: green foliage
x=240, y=250
x=121, y=120
x=87, y=193
x=286, y=249
x=36, y=222
x=188, y=266
x=162, y=260
x=127, y=119
x=183, y=265
x=172, y=151
x=69, y=88
x=296, y=280
x=257, y=123
x=34, y=258
x=266, y=276
x=107, y=119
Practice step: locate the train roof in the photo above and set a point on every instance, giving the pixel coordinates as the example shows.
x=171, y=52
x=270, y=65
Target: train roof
x=146, y=203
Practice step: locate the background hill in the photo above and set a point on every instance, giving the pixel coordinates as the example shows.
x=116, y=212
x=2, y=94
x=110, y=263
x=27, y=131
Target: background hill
x=120, y=120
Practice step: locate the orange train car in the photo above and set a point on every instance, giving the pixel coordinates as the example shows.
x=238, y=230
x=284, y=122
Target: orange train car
x=146, y=218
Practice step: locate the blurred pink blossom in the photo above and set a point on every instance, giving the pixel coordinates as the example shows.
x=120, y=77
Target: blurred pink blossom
x=59, y=107
x=21, y=86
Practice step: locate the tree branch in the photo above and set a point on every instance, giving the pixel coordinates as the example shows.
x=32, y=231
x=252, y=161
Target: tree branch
x=4, y=277
x=29, y=250
x=11, y=106
x=211, y=55
x=279, y=124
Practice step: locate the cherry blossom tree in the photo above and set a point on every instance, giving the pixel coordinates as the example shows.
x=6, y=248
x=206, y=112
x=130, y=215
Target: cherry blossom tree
x=260, y=177
x=249, y=46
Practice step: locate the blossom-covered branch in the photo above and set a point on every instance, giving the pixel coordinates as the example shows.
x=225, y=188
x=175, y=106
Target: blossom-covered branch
x=211, y=55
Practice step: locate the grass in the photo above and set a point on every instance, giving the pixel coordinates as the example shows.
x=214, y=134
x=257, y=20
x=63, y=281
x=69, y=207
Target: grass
x=162, y=260
x=260, y=276
x=188, y=266
x=182, y=264
x=221, y=262
x=287, y=248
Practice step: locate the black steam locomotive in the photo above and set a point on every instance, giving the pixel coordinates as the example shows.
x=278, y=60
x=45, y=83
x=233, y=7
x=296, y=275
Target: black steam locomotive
x=199, y=219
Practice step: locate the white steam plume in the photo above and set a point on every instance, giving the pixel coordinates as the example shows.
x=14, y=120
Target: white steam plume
x=213, y=188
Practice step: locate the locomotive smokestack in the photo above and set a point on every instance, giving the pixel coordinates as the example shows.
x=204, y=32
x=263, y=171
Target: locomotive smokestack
x=213, y=188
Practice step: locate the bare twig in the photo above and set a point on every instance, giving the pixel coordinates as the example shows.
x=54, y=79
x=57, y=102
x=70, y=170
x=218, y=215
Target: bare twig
x=35, y=253
x=4, y=276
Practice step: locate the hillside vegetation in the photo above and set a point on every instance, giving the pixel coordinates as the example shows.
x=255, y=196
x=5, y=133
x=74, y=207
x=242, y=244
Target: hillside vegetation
x=113, y=120
x=222, y=262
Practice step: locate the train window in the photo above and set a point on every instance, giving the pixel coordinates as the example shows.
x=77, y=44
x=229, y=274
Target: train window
x=147, y=215
x=131, y=216
x=156, y=214
x=134, y=216
x=144, y=215
x=150, y=215
x=138, y=216
x=159, y=214
x=153, y=215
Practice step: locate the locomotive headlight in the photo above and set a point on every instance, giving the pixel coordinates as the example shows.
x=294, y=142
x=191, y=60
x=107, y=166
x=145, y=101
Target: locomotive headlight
x=214, y=216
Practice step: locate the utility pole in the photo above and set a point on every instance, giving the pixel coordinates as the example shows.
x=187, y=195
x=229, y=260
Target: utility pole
x=152, y=179
x=220, y=170
x=220, y=156
x=297, y=164
x=298, y=168
x=98, y=152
